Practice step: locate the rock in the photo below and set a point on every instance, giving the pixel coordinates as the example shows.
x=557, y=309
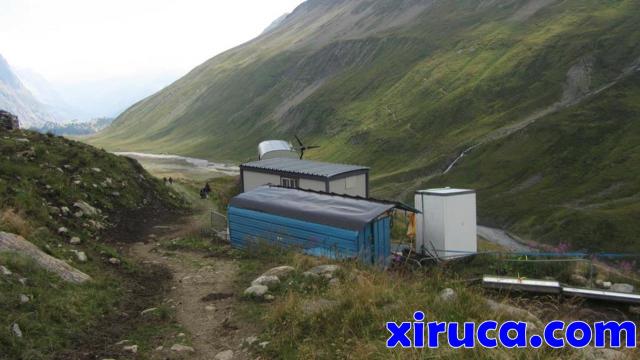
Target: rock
x=280, y=271
x=86, y=208
x=122, y=342
x=14, y=243
x=5, y=271
x=96, y=170
x=447, y=295
x=160, y=348
x=210, y=308
x=269, y=297
x=65, y=210
x=516, y=313
x=607, y=284
x=130, y=349
x=8, y=121
x=579, y=279
x=266, y=280
x=623, y=288
x=114, y=261
x=599, y=282
x=22, y=140
x=23, y=281
x=147, y=311
x=15, y=328
x=115, y=193
x=181, y=335
x=256, y=290
x=62, y=230
x=82, y=257
x=326, y=271
x=250, y=340
x=55, y=211
x=75, y=240
x=181, y=348
x=263, y=344
x=24, y=299
x=96, y=225
x=334, y=282
x=224, y=355
x=78, y=214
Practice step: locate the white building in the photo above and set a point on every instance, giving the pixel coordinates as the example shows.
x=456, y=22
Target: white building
x=447, y=225
x=306, y=174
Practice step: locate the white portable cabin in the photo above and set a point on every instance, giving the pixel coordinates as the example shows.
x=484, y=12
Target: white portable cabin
x=342, y=179
x=447, y=225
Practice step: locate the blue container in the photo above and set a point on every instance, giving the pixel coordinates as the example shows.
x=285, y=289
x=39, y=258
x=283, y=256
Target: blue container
x=317, y=224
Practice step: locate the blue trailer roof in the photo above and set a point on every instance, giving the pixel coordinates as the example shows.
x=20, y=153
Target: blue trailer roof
x=328, y=209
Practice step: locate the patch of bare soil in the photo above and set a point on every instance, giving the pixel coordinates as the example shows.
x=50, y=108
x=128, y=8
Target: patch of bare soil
x=203, y=295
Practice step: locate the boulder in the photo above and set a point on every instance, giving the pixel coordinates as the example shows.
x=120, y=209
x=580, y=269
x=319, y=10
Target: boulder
x=447, y=295
x=516, y=313
x=623, y=288
x=133, y=349
x=15, y=243
x=82, y=257
x=86, y=208
x=326, y=271
x=24, y=299
x=256, y=290
x=75, y=240
x=181, y=348
x=62, y=230
x=114, y=261
x=579, y=279
x=280, y=271
x=5, y=271
x=147, y=311
x=266, y=280
x=15, y=328
x=334, y=282
x=224, y=355
x=607, y=284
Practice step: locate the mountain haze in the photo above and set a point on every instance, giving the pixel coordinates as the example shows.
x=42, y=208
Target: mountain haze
x=540, y=96
x=17, y=99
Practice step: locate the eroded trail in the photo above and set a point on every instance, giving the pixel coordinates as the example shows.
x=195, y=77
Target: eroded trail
x=203, y=296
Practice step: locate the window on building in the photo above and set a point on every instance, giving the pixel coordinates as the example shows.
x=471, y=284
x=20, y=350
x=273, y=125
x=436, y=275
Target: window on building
x=289, y=183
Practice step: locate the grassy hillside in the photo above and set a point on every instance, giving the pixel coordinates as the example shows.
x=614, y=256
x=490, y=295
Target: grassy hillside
x=405, y=86
x=41, y=179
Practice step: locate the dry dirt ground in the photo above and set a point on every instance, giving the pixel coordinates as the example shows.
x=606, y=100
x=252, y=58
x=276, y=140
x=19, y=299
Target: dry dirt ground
x=203, y=295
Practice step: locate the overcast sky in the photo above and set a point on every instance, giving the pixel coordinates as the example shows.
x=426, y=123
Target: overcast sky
x=84, y=40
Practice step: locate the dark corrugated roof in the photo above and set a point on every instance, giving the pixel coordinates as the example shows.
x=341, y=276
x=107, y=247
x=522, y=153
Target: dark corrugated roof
x=328, y=209
x=304, y=167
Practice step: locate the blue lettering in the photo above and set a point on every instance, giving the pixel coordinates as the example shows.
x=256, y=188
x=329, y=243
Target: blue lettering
x=586, y=337
x=549, y=334
x=418, y=329
x=435, y=328
x=483, y=337
x=468, y=339
x=398, y=334
x=520, y=340
x=615, y=330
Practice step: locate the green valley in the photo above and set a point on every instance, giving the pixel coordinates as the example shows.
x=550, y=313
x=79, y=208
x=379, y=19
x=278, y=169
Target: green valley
x=544, y=93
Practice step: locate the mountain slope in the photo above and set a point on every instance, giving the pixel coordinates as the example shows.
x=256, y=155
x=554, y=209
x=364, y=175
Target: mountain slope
x=407, y=86
x=16, y=98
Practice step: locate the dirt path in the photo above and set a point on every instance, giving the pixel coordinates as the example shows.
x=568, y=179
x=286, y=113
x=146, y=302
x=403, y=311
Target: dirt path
x=203, y=295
